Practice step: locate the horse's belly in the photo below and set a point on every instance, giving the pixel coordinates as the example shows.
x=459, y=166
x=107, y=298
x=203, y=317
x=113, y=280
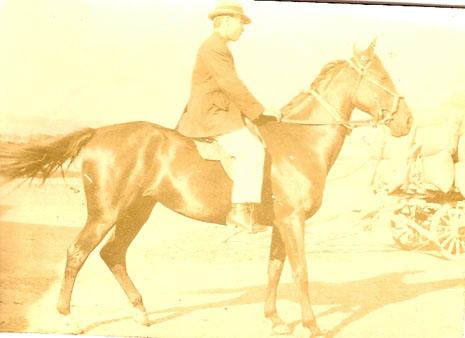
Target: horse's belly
x=202, y=192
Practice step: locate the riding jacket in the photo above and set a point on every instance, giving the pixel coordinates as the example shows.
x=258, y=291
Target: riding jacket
x=219, y=99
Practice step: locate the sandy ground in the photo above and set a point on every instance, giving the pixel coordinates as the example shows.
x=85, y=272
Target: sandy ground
x=199, y=280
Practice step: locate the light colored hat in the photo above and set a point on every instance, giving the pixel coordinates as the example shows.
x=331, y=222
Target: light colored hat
x=229, y=8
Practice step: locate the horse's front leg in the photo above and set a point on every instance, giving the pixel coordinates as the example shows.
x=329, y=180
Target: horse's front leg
x=275, y=267
x=292, y=232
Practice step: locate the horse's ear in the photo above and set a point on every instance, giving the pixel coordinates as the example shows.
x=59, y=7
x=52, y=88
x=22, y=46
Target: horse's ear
x=361, y=57
x=365, y=56
x=355, y=50
x=373, y=43
x=371, y=47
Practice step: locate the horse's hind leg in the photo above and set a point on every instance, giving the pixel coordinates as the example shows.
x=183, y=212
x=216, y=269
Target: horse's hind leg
x=90, y=236
x=114, y=251
x=275, y=268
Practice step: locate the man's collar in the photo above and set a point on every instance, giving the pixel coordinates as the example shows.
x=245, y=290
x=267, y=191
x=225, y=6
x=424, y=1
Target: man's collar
x=218, y=36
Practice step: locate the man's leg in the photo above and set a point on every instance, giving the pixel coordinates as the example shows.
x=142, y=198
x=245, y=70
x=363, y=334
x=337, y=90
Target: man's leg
x=249, y=155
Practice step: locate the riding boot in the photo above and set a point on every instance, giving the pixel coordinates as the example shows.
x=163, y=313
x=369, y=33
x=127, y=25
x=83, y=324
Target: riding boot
x=242, y=215
x=257, y=226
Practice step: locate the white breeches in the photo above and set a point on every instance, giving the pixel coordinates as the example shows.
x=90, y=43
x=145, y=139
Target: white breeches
x=249, y=159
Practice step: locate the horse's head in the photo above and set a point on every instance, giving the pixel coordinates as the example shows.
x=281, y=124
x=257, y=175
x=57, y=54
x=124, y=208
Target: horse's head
x=375, y=93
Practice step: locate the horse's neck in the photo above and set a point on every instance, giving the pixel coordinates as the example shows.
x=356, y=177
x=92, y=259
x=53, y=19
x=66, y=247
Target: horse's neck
x=316, y=147
x=337, y=93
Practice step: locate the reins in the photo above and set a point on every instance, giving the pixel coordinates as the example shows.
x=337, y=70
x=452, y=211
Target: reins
x=350, y=124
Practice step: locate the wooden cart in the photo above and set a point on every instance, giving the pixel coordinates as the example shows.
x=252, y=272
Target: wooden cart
x=423, y=218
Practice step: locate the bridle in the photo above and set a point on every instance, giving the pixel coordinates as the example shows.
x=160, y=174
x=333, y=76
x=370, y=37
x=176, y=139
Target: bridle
x=385, y=116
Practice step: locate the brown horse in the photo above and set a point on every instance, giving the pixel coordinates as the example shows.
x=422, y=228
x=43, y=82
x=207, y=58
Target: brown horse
x=128, y=168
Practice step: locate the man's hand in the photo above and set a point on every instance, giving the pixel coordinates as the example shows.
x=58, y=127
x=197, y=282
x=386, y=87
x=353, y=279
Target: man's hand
x=269, y=115
x=274, y=113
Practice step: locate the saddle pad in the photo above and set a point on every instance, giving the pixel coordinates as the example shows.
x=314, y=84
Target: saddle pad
x=212, y=151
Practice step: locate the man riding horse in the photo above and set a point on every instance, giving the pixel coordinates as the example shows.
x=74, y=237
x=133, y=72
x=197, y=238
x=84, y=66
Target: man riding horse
x=220, y=106
x=130, y=167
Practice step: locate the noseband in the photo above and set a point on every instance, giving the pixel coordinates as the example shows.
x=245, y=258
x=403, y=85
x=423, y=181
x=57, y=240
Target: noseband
x=385, y=116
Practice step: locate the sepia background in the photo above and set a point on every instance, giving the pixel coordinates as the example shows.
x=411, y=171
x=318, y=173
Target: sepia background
x=70, y=64
x=89, y=62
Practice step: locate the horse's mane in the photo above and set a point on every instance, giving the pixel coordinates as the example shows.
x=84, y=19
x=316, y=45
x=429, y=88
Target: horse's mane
x=327, y=70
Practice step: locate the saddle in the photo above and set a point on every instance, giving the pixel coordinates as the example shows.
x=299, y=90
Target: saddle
x=210, y=150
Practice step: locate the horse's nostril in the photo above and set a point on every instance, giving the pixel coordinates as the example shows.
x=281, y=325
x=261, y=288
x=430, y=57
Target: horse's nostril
x=410, y=121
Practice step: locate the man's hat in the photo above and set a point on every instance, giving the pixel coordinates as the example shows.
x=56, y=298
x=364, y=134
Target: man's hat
x=229, y=8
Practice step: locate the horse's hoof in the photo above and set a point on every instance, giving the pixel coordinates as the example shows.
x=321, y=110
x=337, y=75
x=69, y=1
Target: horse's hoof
x=278, y=326
x=305, y=332
x=142, y=318
x=320, y=334
x=71, y=326
x=281, y=329
x=302, y=332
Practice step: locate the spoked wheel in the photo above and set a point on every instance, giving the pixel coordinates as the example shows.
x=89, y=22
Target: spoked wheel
x=405, y=237
x=406, y=231
x=449, y=230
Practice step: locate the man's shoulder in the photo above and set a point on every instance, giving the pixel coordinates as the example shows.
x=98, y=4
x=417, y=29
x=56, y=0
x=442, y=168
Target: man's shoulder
x=214, y=43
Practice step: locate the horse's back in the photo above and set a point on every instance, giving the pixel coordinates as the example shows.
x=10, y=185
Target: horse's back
x=141, y=159
x=124, y=133
x=122, y=159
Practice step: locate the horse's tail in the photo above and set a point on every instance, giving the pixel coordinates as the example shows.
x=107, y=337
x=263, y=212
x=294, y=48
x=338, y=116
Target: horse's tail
x=41, y=159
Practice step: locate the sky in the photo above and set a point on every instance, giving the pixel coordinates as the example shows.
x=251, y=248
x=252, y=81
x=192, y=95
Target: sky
x=107, y=61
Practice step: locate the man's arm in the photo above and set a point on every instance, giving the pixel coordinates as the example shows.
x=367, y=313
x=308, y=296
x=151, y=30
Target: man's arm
x=220, y=65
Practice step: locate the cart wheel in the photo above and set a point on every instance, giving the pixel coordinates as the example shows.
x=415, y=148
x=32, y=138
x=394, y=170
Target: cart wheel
x=404, y=235
x=449, y=229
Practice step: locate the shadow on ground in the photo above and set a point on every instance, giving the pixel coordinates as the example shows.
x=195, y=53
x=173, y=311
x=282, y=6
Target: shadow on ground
x=4, y=208
x=355, y=298
x=29, y=255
